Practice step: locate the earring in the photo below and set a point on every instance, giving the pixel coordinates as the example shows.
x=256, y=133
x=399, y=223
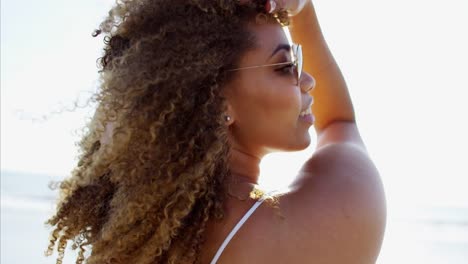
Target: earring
x=227, y=118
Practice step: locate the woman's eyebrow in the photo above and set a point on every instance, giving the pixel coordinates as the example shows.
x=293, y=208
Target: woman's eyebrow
x=286, y=47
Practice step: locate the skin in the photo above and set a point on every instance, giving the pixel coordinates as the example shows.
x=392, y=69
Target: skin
x=264, y=104
x=335, y=210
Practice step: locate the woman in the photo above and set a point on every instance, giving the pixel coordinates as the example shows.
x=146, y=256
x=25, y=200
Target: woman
x=193, y=95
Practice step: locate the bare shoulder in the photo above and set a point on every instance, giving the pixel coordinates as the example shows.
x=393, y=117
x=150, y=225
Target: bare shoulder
x=335, y=210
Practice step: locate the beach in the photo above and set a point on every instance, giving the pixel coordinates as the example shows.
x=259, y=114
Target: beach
x=427, y=235
x=430, y=235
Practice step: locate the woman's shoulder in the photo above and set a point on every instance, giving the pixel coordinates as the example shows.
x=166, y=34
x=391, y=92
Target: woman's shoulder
x=335, y=210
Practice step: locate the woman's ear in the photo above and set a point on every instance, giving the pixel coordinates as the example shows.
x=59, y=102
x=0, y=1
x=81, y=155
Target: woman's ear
x=229, y=115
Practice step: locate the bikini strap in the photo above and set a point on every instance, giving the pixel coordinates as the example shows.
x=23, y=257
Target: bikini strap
x=236, y=228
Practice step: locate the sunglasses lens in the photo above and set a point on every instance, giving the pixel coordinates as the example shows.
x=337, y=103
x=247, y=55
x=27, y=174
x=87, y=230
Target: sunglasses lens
x=299, y=62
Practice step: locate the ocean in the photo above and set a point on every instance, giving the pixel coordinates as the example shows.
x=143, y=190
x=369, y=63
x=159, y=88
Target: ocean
x=423, y=234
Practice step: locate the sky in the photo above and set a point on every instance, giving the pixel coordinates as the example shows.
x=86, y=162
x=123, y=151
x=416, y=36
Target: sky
x=405, y=62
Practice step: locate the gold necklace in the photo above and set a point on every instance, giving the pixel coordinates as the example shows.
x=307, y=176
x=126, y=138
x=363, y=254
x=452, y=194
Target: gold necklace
x=239, y=189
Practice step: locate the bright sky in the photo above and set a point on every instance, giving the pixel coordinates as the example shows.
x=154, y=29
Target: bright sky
x=405, y=61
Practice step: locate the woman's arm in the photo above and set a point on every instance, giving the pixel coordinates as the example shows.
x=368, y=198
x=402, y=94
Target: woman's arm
x=337, y=201
x=333, y=109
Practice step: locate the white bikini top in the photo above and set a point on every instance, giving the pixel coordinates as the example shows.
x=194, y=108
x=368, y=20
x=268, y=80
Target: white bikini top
x=236, y=228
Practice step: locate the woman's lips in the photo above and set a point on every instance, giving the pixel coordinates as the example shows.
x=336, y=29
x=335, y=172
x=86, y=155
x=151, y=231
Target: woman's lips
x=309, y=118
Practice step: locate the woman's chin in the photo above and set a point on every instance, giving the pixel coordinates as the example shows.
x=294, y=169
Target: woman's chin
x=305, y=143
x=300, y=144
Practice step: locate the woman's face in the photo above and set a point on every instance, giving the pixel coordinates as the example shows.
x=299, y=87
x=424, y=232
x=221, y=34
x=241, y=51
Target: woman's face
x=265, y=103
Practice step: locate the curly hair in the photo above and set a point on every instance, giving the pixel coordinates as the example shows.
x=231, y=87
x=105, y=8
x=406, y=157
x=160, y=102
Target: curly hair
x=147, y=194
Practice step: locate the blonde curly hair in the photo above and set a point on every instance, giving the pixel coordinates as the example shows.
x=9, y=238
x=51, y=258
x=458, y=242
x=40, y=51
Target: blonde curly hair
x=147, y=194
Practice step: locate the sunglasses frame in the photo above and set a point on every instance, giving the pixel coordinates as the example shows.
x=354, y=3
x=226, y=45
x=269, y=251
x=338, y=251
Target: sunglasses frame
x=296, y=51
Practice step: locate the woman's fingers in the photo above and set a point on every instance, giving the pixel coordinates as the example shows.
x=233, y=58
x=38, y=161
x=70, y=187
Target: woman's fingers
x=270, y=6
x=293, y=7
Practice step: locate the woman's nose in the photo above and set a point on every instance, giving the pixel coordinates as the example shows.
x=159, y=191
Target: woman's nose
x=307, y=82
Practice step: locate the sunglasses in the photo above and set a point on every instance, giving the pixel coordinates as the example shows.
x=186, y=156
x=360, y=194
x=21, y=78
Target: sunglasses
x=296, y=55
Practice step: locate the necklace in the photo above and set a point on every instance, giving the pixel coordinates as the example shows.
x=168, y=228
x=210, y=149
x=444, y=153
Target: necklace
x=243, y=190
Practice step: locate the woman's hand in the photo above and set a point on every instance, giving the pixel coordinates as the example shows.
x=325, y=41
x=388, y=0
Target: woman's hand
x=293, y=7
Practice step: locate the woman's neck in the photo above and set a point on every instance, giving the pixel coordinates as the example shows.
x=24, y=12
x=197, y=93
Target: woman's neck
x=244, y=167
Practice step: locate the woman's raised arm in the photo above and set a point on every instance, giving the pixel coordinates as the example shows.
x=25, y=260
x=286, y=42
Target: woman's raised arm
x=333, y=109
x=337, y=202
